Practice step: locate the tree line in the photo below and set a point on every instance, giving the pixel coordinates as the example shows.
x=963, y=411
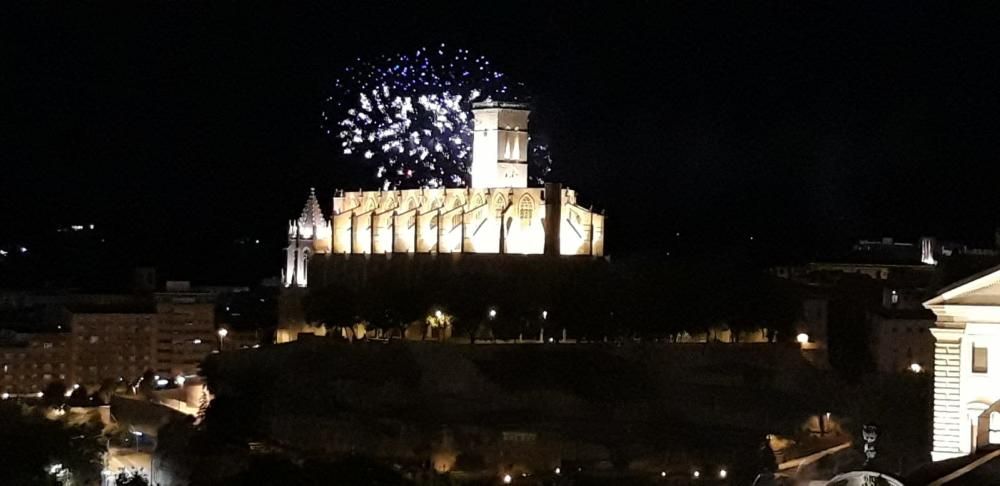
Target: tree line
x=644, y=299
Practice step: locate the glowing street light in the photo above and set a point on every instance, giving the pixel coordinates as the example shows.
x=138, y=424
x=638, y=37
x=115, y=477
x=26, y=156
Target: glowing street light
x=507, y=479
x=438, y=314
x=545, y=315
x=802, y=338
x=493, y=313
x=223, y=332
x=696, y=474
x=916, y=368
x=723, y=473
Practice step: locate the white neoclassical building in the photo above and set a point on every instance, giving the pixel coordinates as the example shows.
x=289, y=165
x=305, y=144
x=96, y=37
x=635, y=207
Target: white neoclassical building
x=966, y=365
x=497, y=214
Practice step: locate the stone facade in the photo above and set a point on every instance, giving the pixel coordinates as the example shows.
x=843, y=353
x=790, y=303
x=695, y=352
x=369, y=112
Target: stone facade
x=966, y=367
x=498, y=214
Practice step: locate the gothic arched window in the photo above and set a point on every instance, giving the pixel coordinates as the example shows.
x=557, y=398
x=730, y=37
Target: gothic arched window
x=412, y=203
x=499, y=204
x=525, y=208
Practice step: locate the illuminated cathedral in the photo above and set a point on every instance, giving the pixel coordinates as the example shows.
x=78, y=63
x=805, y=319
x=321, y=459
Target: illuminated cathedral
x=497, y=214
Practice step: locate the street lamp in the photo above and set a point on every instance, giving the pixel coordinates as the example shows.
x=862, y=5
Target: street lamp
x=438, y=314
x=137, y=435
x=802, y=338
x=223, y=332
x=493, y=313
x=541, y=330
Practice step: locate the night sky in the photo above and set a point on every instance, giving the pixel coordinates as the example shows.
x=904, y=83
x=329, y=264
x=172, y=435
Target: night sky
x=179, y=127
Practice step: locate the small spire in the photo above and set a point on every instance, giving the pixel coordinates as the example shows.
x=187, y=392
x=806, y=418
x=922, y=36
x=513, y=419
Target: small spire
x=312, y=213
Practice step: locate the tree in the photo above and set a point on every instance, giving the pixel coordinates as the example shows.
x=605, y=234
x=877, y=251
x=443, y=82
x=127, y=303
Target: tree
x=108, y=388
x=54, y=394
x=33, y=445
x=147, y=385
x=131, y=478
x=79, y=398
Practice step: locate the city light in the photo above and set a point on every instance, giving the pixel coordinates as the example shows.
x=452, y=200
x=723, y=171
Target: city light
x=802, y=338
x=545, y=314
x=507, y=479
x=223, y=332
x=196, y=341
x=916, y=368
x=180, y=380
x=162, y=382
x=438, y=314
x=663, y=474
x=558, y=471
x=723, y=474
x=493, y=313
x=39, y=394
x=4, y=396
x=696, y=474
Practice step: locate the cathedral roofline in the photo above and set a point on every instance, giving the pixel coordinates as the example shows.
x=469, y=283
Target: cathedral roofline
x=514, y=105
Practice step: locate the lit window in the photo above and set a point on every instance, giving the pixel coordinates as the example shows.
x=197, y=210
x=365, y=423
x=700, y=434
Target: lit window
x=525, y=208
x=994, y=427
x=499, y=204
x=979, y=359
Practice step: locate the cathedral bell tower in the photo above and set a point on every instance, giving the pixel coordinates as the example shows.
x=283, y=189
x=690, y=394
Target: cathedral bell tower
x=308, y=235
x=500, y=144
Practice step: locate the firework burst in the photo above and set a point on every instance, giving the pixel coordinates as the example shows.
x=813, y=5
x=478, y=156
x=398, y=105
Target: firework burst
x=409, y=116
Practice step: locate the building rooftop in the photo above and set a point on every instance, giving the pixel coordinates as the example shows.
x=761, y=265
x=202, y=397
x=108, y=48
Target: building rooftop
x=501, y=104
x=117, y=308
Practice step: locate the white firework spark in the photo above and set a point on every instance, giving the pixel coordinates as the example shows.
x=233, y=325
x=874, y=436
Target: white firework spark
x=410, y=116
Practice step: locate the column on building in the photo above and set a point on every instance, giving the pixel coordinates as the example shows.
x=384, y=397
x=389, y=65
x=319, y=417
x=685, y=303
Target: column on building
x=948, y=438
